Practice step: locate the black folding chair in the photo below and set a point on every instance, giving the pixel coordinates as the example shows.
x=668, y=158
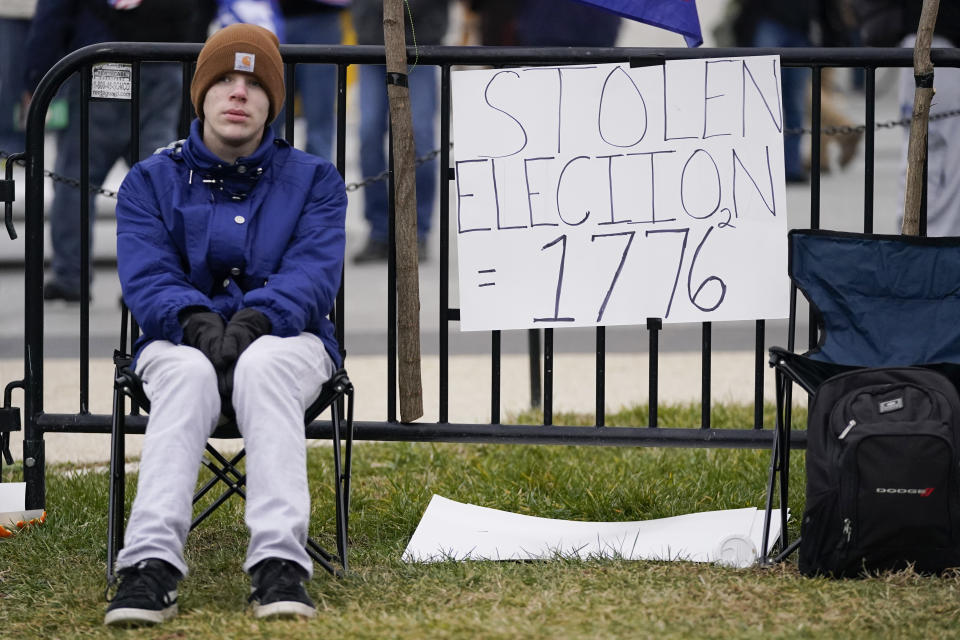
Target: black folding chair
x=332, y=396
x=876, y=301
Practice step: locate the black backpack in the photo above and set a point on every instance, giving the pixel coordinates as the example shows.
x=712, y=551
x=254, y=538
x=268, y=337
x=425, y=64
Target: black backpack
x=882, y=474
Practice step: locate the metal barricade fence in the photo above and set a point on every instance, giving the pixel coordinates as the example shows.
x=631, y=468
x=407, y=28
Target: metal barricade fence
x=36, y=421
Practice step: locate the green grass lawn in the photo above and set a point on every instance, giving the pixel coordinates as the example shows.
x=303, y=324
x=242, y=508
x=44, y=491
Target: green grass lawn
x=52, y=576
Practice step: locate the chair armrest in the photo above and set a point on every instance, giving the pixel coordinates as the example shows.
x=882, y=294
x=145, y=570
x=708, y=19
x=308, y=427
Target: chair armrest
x=127, y=380
x=334, y=388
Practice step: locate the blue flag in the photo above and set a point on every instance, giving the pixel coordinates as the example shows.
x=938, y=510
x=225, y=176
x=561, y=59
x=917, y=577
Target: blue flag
x=679, y=16
x=263, y=13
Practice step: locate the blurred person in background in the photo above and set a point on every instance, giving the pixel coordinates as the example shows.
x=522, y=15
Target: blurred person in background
x=542, y=23
x=893, y=23
x=430, y=19
x=15, y=18
x=60, y=27
x=836, y=25
x=565, y=23
x=803, y=23
x=762, y=23
x=315, y=22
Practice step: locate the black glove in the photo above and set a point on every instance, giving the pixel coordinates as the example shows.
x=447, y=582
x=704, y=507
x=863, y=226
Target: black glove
x=203, y=330
x=244, y=327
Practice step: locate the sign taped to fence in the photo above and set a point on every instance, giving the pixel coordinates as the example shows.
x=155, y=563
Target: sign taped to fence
x=603, y=194
x=111, y=81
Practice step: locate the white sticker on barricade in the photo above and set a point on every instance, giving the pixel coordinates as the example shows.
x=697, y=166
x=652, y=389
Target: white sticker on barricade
x=111, y=80
x=603, y=194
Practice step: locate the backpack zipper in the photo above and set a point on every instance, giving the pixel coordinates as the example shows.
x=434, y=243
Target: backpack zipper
x=850, y=425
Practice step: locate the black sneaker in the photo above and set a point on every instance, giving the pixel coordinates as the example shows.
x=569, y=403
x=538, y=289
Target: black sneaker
x=54, y=290
x=373, y=251
x=277, y=590
x=147, y=594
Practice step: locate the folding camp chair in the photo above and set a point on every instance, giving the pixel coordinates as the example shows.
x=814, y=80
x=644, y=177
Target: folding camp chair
x=127, y=384
x=878, y=301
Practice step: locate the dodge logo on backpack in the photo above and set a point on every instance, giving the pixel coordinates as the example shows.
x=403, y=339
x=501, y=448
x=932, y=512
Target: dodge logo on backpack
x=882, y=485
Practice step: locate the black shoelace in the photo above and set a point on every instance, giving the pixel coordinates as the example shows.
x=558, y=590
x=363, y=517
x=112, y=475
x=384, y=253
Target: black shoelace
x=139, y=584
x=280, y=579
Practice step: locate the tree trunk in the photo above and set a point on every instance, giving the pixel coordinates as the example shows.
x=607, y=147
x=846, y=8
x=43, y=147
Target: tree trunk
x=405, y=208
x=917, y=150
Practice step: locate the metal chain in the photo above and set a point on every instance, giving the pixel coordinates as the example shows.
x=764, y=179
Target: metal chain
x=354, y=186
x=70, y=182
x=99, y=190
x=889, y=124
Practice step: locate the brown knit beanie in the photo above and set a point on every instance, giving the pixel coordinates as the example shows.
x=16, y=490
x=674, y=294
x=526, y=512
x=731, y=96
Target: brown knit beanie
x=240, y=47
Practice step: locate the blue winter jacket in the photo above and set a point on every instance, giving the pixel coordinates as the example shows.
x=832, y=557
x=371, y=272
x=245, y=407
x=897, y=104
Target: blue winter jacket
x=266, y=232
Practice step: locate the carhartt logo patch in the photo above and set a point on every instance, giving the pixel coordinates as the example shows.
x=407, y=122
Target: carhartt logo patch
x=244, y=62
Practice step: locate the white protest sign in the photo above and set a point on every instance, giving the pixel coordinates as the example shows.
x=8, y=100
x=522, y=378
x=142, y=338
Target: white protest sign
x=604, y=195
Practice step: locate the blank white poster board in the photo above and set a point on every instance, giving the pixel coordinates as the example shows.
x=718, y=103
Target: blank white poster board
x=604, y=195
x=12, y=500
x=451, y=530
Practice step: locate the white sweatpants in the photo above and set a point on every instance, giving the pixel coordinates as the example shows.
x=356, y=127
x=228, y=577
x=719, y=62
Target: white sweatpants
x=275, y=380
